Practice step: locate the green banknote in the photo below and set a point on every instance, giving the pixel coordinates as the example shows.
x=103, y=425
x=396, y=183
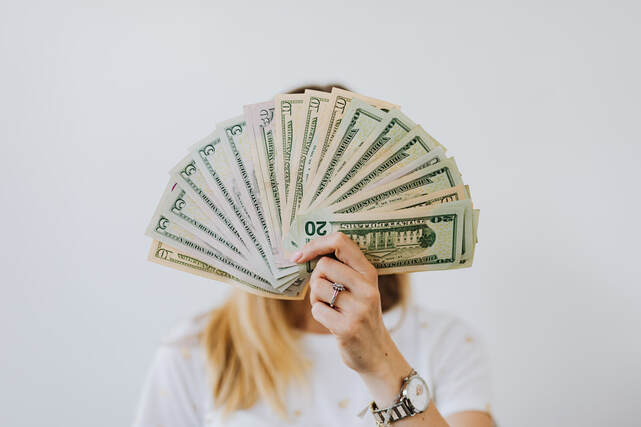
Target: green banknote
x=331, y=119
x=169, y=256
x=314, y=105
x=359, y=122
x=416, y=239
x=163, y=229
x=238, y=141
x=439, y=176
x=191, y=178
x=259, y=118
x=392, y=129
x=216, y=200
x=430, y=159
x=288, y=128
x=437, y=198
x=181, y=207
x=391, y=158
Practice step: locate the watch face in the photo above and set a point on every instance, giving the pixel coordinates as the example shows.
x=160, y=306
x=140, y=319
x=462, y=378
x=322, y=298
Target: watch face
x=418, y=393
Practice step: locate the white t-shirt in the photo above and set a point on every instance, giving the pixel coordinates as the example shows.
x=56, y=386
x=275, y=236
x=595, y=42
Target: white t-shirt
x=442, y=349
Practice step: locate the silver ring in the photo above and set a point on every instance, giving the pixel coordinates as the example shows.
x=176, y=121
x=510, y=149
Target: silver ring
x=337, y=287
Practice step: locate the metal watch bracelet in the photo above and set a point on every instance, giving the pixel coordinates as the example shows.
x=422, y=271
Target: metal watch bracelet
x=397, y=410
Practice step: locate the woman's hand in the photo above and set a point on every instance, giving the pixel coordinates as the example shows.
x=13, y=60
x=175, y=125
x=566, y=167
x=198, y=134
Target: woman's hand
x=357, y=322
x=356, y=319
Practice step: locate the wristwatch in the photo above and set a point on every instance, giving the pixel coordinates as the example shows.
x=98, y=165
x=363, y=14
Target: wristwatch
x=413, y=399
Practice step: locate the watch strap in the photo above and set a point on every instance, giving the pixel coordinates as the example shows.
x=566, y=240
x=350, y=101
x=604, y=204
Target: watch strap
x=396, y=412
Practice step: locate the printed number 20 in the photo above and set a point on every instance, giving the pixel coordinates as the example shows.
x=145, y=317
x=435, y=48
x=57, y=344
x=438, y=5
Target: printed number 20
x=315, y=228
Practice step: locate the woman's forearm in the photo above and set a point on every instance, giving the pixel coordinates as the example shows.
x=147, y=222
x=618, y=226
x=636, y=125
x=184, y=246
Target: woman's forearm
x=385, y=384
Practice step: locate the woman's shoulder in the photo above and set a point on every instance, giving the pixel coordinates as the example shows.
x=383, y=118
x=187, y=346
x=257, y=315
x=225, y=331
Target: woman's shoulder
x=179, y=359
x=180, y=352
x=176, y=380
x=437, y=318
x=439, y=327
x=187, y=332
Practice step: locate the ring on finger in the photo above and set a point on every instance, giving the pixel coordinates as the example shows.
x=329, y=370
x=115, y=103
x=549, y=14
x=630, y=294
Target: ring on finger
x=337, y=287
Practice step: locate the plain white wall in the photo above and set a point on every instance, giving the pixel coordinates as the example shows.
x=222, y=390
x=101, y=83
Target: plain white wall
x=538, y=102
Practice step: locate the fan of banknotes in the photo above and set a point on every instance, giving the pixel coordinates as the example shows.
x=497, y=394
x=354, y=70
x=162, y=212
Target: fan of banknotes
x=302, y=166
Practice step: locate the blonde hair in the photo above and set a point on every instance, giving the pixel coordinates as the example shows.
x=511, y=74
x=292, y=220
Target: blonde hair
x=253, y=351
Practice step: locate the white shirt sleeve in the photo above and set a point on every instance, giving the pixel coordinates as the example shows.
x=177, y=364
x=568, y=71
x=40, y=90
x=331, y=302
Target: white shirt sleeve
x=460, y=371
x=172, y=393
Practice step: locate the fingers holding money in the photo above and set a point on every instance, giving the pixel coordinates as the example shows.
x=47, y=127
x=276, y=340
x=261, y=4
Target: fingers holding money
x=335, y=271
x=342, y=247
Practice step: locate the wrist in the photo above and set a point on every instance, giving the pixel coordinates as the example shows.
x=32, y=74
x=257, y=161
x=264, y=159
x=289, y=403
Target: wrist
x=384, y=383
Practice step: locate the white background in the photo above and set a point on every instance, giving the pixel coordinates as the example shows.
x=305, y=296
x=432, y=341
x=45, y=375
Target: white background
x=539, y=103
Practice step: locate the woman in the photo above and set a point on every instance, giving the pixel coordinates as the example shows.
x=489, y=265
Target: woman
x=264, y=362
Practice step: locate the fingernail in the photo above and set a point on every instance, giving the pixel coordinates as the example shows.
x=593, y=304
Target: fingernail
x=296, y=256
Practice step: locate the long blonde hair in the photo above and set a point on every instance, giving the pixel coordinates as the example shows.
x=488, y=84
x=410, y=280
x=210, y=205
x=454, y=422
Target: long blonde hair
x=253, y=350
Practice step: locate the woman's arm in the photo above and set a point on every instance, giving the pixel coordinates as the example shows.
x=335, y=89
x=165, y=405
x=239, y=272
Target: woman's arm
x=357, y=322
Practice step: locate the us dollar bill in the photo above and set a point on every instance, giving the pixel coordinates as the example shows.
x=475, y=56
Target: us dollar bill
x=218, y=201
x=314, y=105
x=191, y=178
x=163, y=229
x=238, y=141
x=259, y=118
x=418, y=239
x=367, y=168
x=179, y=206
x=432, y=158
x=442, y=175
x=319, y=131
x=359, y=122
x=331, y=120
x=448, y=195
x=288, y=129
x=169, y=256
x=426, y=161
x=388, y=132
x=477, y=213
x=432, y=199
